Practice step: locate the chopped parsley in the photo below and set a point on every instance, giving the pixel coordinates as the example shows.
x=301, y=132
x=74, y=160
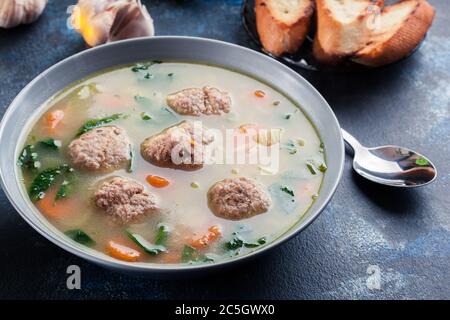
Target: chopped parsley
x=145, y=116
x=287, y=190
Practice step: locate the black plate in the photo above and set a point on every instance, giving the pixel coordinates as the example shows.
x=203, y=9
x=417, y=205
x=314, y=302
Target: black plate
x=303, y=58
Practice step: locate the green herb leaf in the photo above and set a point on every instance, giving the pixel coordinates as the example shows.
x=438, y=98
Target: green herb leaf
x=141, y=67
x=95, y=123
x=80, y=236
x=148, y=247
x=44, y=180
x=145, y=116
x=237, y=242
x=51, y=143
x=322, y=167
x=311, y=168
x=190, y=254
x=170, y=74
x=161, y=236
x=66, y=187
x=288, y=116
x=287, y=190
x=255, y=244
x=422, y=162
x=63, y=191
x=148, y=76
x=28, y=158
x=144, y=66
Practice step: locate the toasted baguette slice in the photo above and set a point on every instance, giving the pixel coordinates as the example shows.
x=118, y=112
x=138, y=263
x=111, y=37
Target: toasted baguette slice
x=399, y=30
x=342, y=28
x=283, y=24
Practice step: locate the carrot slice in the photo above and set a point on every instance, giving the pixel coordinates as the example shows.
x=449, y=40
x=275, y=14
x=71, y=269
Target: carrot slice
x=121, y=252
x=54, y=118
x=157, y=182
x=260, y=93
x=214, y=233
x=62, y=208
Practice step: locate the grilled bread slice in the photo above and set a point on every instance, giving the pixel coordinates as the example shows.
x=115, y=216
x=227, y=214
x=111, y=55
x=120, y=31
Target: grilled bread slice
x=343, y=28
x=397, y=31
x=283, y=24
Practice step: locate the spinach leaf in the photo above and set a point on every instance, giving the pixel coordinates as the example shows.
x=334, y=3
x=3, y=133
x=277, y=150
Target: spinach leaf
x=67, y=185
x=150, y=248
x=145, y=116
x=80, y=236
x=255, y=244
x=44, y=180
x=284, y=199
x=144, y=66
x=51, y=143
x=161, y=236
x=287, y=190
x=190, y=254
x=28, y=158
x=237, y=242
x=63, y=191
x=95, y=123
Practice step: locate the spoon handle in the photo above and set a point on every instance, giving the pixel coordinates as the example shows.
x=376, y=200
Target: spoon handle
x=351, y=141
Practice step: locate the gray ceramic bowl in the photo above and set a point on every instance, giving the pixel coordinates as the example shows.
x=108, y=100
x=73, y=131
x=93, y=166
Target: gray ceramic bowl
x=29, y=101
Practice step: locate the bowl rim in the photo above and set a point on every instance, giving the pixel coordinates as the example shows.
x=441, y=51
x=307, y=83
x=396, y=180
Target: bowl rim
x=170, y=268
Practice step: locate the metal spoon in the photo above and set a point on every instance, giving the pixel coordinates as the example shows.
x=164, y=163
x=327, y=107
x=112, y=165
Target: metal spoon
x=391, y=165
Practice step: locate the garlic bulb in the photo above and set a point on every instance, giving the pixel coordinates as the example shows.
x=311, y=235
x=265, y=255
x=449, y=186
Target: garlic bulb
x=15, y=12
x=101, y=21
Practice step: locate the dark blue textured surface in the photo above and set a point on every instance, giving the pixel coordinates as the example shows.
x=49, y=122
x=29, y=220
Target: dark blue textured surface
x=403, y=234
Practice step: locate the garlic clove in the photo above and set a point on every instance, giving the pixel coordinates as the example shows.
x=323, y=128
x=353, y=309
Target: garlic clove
x=16, y=12
x=101, y=21
x=132, y=21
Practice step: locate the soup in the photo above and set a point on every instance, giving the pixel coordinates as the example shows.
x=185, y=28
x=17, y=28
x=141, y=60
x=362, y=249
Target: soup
x=99, y=163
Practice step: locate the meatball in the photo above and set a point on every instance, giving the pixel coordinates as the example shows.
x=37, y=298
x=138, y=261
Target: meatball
x=105, y=148
x=178, y=147
x=238, y=198
x=197, y=101
x=124, y=199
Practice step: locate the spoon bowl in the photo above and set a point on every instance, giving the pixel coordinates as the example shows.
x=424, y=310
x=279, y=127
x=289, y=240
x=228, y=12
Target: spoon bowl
x=391, y=165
